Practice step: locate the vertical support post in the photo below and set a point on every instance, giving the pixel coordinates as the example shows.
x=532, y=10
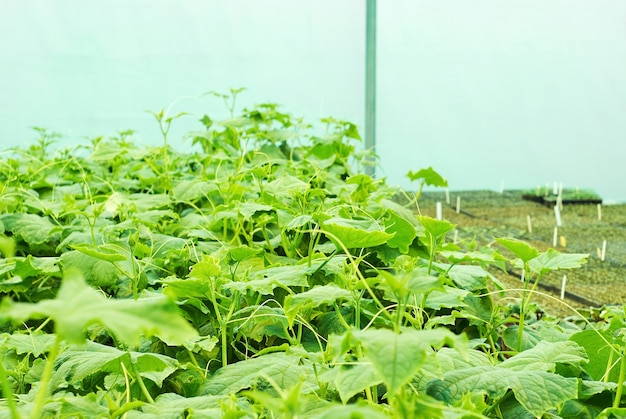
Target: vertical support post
x=370, y=83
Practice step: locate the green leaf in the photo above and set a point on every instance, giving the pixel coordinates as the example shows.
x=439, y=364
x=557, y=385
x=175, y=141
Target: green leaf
x=403, y=231
x=35, y=343
x=545, y=355
x=521, y=249
x=283, y=369
x=398, y=357
x=107, y=252
x=597, y=344
x=192, y=190
x=429, y=176
x=315, y=297
x=536, y=390
x=469, y=277
x=81, y=361
x=357, y=410
x=352, y=379
x=31, y=227
x=78, y=306
x=264, y=281
x=436, y=228
x=170, y=405
x=552, y=260
x=352, y=234
x=97, y=272
x=106, y=151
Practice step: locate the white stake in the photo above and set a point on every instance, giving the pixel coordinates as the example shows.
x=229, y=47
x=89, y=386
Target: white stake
x=555, y=236
x=439, y=215
x=523, y=277
x=458, y=204
x=599, y=212
x=563, y=287
x=447, y=196
x=530, y=224
x=557, y=215
x=603, y=254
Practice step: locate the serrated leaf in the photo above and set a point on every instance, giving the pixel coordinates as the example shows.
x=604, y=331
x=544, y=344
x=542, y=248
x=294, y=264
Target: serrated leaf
x=80, y=361
x=437, y=228
x=35, y=343
x=521, y=249
x=284, y=370
x=398, y=357
x=469, y=277
x=192, y=190
x=264, y=281
x=352, y=379
x=429, y=176
x=552, y=260
x=537, y=391
x=315, y=297
x=170, y=405
x=403, y=231
x=78, y=306
x=545, y=355
x=352, y=234
x=97, y=272
x=31, y=227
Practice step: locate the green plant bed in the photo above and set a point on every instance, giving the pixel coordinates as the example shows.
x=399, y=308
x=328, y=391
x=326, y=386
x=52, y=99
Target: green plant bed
x=569, y=196
x=263, y=275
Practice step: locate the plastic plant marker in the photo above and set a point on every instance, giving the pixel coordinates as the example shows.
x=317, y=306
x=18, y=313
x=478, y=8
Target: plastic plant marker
x=557, y=215
x=563, y=281
x=555, y=236
x=599, y=212
x=530, y=224
x=439, y=211
x=447, y=196
x=603, y=253
x=458, y=204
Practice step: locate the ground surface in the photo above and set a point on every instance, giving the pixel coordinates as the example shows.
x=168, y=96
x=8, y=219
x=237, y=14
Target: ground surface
x=487, y=214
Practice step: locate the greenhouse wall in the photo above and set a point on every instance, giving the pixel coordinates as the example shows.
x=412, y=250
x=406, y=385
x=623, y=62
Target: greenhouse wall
x=492, y=94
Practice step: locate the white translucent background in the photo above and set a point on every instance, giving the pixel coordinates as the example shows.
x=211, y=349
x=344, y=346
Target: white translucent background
x=524, y=92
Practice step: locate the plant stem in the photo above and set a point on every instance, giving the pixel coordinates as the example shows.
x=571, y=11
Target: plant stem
x=42, y=392
x=620, y=380
x=8, y=392
x=142, y=385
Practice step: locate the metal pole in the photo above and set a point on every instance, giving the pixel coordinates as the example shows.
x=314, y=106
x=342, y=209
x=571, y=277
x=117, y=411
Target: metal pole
x=370, y=82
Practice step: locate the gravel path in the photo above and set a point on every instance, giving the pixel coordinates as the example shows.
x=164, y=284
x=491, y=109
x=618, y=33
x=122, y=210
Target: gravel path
x=486, y=215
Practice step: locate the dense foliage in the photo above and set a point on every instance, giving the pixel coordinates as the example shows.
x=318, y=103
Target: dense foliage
x=265, y=277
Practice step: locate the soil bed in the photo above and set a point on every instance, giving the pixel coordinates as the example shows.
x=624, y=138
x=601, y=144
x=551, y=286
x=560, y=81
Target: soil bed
x=485, y=215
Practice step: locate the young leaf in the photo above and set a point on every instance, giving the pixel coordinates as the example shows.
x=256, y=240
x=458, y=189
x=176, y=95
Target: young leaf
x=355, y=233
x=521, y=249
x=315, y=297
x=398, y=357
x=552, y=260
x=80, y=361
x=281, y=368
x=78, y=306
x=352, y=379
x=436, y=228
x=429, y=176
